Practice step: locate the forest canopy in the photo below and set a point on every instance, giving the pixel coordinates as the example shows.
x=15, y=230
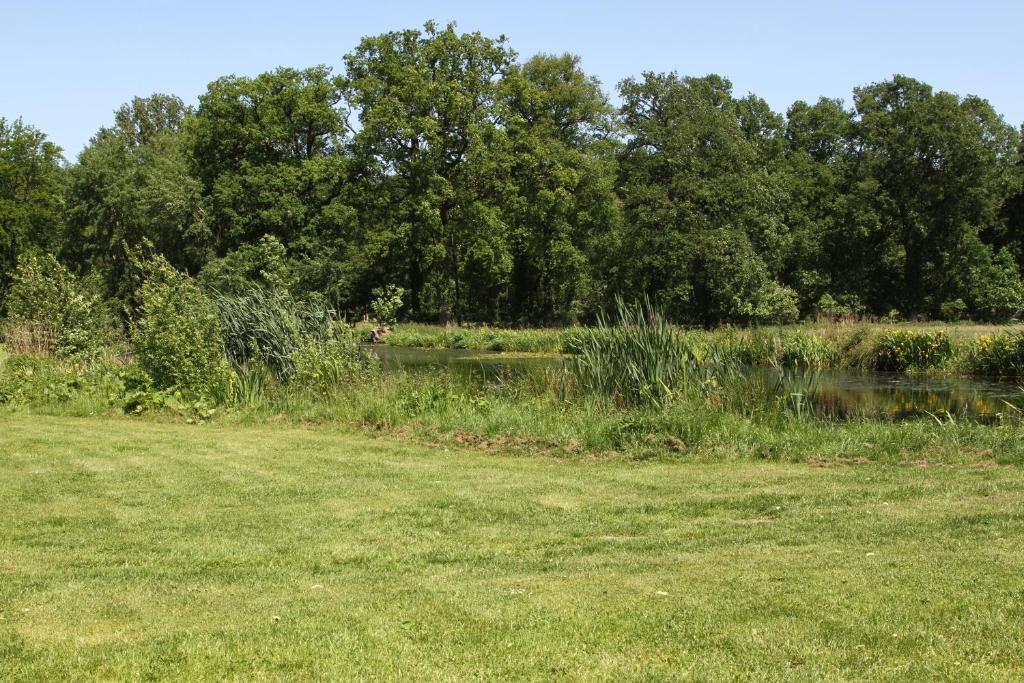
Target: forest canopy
x=487, y=187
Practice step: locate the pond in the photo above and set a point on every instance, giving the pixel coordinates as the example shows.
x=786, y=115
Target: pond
x=832, y=393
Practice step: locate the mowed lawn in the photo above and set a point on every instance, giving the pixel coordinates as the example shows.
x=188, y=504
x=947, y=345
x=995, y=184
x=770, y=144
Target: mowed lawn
x=136, y=549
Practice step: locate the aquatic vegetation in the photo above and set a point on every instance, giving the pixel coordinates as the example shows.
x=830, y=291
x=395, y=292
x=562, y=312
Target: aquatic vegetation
x=902, y=350
x=635, y=358
x=997, y=354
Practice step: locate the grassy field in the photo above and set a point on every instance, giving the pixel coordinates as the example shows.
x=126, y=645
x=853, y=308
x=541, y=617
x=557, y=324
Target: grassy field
x=136, y=549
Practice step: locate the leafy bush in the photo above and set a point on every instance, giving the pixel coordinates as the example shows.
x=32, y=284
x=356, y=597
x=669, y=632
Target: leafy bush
x=953, y=311
x=264, y=264
x=28, y=378
x=774, y=304
x=177, y=335
x=53, y=311
x=901, y=350
x=32, y=379
x=841, y=307
x=386, y=303
x=997, y=292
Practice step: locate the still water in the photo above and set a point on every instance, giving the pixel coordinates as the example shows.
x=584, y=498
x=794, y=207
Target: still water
x=832, y=393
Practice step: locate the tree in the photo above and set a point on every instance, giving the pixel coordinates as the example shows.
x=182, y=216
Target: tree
x=560, y=187
x=132, y=187
x=269, y=154
x=935, y=171
x=430, y=108
x=32, y=180
x=704, y=210
x=820, y=258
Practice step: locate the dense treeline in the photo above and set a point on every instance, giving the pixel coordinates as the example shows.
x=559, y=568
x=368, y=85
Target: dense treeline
x=494, y=189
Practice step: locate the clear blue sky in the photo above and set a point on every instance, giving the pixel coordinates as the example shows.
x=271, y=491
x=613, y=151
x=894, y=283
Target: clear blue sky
x=67, y=65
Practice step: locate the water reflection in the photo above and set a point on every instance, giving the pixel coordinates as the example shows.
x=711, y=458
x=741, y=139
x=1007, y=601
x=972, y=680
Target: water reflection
x=845, y=394
x=840, y=394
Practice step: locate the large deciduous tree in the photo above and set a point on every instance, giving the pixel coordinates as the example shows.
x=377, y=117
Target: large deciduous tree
x=32, y=180
x=704, y=202
x=270, y=154
x=933, y=172
x=132, y=188
x=430, y=113
x=560, y=198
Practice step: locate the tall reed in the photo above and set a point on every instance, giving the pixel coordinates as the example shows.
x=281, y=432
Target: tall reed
x=270, y=326
x=636, y=358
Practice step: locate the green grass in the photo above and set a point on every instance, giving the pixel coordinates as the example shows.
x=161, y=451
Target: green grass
x=135, y=549
x=548, y=340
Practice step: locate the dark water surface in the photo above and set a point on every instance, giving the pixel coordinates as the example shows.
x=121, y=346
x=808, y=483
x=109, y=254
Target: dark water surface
x=831, y=393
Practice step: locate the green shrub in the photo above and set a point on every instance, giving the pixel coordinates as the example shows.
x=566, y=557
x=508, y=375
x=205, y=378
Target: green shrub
x=997, y=292
x=387, y=301
x=177, y=335
x=953, y=311
x=900, y=350
x=774, y=304
x=263, y=264
x=842, y=307
x=56, y=310
x=30, y=378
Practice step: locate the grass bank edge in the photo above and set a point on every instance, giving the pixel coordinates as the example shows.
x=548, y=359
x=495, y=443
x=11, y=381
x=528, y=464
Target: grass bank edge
x=929, y=348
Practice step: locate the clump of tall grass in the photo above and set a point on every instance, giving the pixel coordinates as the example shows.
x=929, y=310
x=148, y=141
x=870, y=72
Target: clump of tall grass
x=247, y=384
x=635, y=358
x=271, y=326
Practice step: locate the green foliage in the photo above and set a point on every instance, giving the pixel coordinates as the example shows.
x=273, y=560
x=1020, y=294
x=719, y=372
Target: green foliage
x=428, y=102
x=326, y=366
x=264, y=264
x=177, y=336
x=386, y=303
x=1000, y=355
x=704, y=228
x=247, y=384
x=902, y=350
x=485, y=338
x=31, y=196
x=997, y=292
x=830, y=307
x=953, y=311
x=635, y=359
x=774, y=304
x=269, y=326
x=30, y=378
x=47, y=296
x=132, y=190
x=507, y=191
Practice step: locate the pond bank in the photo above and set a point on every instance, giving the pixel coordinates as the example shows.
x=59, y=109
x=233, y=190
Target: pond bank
x=841, y=393
x=937, y=349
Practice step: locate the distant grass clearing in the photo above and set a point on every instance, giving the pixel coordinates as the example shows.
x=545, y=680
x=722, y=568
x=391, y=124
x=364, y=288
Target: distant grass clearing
x=132, y=549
